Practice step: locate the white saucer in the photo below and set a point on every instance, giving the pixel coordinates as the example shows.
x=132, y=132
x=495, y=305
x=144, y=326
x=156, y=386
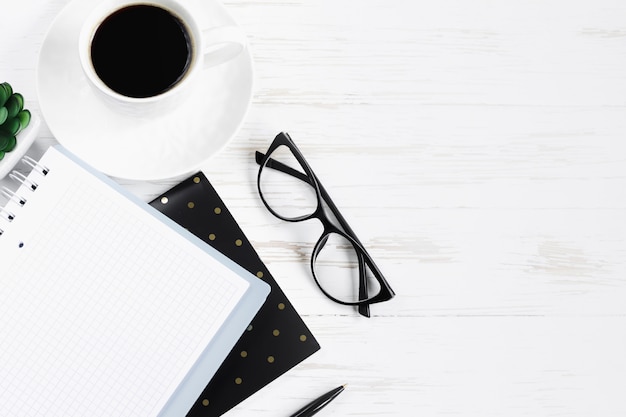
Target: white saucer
x=131, y=147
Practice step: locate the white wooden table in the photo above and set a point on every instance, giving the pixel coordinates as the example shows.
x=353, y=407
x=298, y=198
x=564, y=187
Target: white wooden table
x=478, y=150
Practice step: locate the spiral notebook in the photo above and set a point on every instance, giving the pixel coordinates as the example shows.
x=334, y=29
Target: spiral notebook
x=107, y=307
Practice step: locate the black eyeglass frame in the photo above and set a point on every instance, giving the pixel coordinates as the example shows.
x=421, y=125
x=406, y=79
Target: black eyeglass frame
x=265, y=160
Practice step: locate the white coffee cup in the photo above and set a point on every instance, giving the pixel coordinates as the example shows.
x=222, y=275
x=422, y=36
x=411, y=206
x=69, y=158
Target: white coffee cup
x=207, y=47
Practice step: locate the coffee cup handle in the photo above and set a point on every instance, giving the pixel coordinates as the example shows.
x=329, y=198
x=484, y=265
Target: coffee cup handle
x=222, y=44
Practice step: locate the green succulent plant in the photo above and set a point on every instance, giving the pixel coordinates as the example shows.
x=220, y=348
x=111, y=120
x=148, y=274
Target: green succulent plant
x=13, y=118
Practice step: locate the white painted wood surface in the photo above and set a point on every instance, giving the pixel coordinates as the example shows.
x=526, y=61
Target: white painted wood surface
x=477, y=148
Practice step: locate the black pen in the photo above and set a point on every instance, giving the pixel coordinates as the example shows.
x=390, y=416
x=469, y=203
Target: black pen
x=316, y=405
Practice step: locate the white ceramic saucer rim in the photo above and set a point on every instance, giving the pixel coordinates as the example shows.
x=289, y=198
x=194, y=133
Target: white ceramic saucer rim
x=243, y=66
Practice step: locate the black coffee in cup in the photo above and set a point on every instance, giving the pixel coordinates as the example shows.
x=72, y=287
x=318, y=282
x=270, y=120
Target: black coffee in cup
x=141, y=51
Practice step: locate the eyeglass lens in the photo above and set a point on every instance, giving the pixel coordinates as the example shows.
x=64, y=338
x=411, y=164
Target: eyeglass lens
x=336, y=269
x=286, y=195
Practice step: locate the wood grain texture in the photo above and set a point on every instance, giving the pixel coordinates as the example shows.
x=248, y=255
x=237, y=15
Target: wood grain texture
x=477, y=149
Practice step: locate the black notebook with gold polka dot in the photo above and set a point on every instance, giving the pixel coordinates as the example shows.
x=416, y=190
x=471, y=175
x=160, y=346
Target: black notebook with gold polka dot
x=277, y=338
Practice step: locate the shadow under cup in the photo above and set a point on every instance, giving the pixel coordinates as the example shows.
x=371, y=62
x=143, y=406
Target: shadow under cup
x=141, y=51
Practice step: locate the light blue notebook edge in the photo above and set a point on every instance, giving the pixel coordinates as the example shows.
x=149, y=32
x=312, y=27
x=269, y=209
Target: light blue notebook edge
x=231, y=330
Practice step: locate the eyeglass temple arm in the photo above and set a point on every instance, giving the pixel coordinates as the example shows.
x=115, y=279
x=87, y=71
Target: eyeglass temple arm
x=274, y=164
x=364, y=309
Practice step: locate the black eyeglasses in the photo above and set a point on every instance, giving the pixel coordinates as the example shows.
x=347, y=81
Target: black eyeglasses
x=341, y=266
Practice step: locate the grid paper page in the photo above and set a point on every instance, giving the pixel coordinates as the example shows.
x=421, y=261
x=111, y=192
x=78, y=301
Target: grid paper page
x=101, y=313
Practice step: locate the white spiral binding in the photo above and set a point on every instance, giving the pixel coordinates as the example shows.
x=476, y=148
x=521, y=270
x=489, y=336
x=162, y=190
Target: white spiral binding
x=13, y=196
x=8, y=215
x=35, y=165
x=19, y=177
x=18, y=199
